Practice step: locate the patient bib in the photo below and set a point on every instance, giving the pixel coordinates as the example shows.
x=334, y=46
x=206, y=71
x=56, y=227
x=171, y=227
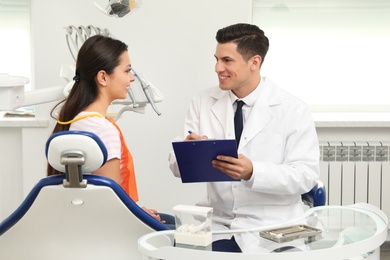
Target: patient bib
x=128, y=181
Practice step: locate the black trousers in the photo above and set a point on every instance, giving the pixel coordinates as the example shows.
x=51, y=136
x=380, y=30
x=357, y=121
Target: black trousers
x=230, y=245
x=226, y=245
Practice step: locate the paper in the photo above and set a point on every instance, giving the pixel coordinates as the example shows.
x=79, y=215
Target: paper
x=194, y=159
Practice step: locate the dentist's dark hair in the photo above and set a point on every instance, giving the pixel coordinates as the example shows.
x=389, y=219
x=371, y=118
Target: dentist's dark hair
x=249, y=38
x=96, y=54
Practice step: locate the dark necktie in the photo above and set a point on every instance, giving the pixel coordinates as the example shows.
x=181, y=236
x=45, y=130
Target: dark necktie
x=238, y=121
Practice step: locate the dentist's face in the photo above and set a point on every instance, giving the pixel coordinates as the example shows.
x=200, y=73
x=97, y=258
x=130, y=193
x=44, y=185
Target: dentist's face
x=232, y=70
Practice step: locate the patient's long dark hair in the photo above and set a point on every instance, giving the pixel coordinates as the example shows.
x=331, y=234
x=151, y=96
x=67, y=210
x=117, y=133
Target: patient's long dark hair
x=97, y=53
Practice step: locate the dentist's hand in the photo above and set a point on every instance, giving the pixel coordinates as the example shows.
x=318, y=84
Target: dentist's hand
x=193, y=136
x=240, y=168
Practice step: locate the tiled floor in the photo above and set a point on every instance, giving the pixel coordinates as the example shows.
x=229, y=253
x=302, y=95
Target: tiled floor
x=385, y=251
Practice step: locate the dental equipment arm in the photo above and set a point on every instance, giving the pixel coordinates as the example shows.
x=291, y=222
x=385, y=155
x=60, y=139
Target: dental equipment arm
x=13, y=96
x=146, y=87
x=132, y=97
x=42, y=96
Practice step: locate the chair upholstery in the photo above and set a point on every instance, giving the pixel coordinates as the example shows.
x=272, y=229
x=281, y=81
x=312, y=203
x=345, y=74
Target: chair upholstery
x=95, y=221
x=316, y=196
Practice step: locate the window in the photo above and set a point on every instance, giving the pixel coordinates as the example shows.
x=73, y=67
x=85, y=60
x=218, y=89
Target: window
x=333, y=54
x=15, y=38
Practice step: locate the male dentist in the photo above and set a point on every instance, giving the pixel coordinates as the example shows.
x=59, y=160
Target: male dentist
x=278, y=148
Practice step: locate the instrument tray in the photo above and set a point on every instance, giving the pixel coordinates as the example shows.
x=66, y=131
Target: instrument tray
x=290, y=233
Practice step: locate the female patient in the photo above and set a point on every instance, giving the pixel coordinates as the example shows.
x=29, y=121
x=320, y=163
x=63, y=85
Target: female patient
x=103, y=74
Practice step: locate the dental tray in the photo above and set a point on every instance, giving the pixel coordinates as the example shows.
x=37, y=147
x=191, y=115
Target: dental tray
x=290, y=233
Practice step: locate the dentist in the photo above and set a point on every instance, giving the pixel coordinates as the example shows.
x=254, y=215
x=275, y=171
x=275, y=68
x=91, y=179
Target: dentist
x=278, y=148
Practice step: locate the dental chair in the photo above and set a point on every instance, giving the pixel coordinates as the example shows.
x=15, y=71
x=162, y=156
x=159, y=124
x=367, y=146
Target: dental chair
x=75, y=215
x=316, y=196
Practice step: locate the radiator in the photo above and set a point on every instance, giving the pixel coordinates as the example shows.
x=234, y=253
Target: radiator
x=355, y=172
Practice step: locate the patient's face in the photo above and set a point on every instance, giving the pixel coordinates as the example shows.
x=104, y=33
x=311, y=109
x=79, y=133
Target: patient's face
x=121, y=78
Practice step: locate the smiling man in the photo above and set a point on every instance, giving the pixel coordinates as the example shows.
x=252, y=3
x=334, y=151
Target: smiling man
x=278, y=151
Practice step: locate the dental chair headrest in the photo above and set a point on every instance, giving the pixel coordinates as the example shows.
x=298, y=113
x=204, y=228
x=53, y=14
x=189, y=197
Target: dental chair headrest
x=84, y=143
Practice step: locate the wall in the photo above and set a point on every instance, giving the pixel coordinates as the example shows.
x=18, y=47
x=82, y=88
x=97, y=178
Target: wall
x=172, y=44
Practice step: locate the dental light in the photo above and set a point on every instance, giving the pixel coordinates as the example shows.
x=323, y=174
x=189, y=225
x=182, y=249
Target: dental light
x=118, y=8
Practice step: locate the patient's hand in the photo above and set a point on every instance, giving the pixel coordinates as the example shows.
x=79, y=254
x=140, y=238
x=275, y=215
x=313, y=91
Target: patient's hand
x=153, y=213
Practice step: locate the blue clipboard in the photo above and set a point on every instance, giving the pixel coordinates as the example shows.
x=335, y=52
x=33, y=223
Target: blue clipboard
x=194, y=159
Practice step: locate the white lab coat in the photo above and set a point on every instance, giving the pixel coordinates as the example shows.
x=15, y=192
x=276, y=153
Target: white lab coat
x=280, y=139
